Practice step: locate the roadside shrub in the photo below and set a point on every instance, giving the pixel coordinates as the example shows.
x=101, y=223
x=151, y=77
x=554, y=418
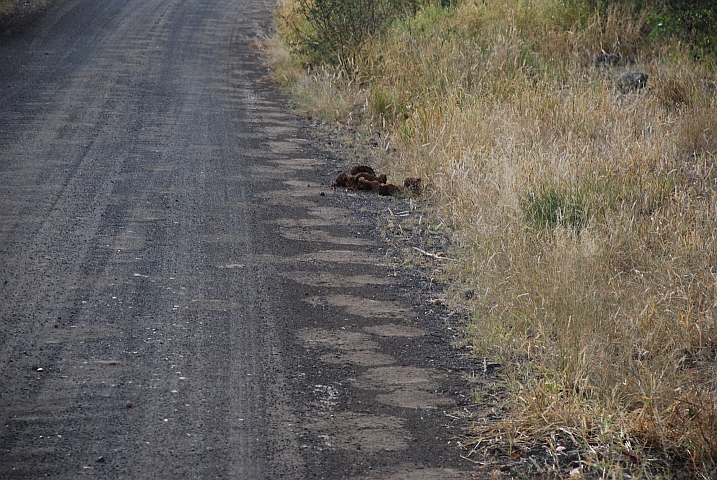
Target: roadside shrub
x=693, y=21
x=334, y=31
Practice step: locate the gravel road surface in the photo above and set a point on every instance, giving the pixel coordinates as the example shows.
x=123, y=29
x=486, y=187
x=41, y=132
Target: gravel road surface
x=181, y=295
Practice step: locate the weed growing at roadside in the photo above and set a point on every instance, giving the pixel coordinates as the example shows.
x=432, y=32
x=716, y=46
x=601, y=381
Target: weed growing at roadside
x=551, y=206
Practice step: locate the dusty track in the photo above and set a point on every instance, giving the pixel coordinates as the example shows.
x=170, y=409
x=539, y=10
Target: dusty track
x=163, y=241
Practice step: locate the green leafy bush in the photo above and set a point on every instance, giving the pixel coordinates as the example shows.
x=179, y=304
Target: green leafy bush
x=694, y=21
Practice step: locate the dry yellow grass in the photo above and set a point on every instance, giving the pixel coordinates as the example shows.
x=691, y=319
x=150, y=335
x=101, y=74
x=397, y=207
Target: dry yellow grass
x=585, y=218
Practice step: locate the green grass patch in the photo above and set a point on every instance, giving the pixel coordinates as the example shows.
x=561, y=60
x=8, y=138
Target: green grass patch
x=558, y=205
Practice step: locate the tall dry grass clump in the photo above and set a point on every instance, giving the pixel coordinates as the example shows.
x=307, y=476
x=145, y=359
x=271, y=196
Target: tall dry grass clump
x=584, y=216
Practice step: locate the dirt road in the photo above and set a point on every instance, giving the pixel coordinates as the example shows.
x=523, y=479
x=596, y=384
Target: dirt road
x=177, y=297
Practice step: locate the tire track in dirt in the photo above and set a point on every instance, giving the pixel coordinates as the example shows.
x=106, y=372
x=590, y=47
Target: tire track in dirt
x=366, y=430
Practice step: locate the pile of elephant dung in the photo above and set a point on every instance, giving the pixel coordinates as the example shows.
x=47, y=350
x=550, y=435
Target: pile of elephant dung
x=363, y=178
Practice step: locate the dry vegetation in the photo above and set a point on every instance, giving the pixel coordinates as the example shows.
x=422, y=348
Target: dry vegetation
x=18, y=8
x=584, y=218
x=5, y=6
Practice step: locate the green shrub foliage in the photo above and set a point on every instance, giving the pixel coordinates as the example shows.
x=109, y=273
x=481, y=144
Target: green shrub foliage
x=693, y=21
